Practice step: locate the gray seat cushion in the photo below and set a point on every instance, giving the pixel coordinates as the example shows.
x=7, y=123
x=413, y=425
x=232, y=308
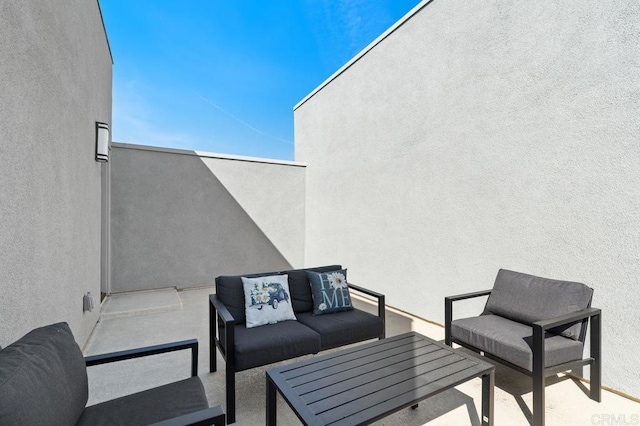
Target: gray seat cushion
x=511, y=341
x=342, y=328
x=272, y=343
x=229, y=290
x=150, y=406
x=527, y=299
x=43, y=379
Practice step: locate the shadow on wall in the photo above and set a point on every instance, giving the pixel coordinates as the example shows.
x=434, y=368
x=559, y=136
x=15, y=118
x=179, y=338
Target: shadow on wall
x=173, y=223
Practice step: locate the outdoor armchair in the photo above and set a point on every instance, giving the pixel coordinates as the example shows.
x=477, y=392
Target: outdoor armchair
x=534, y=325
x=43, y=381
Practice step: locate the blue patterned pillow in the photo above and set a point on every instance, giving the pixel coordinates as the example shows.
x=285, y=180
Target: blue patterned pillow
x=330, y=292
x=267, y=300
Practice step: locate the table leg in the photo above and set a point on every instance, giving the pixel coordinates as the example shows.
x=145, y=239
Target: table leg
x=271, y=403
x=488, y=381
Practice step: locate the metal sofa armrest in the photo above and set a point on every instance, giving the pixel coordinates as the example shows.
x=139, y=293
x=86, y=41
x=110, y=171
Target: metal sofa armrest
x=381, y=304
x=210, y=416
x=222, y=322
x=448, y=310
x=147, y=351
x=222, y=311
x=366, y=291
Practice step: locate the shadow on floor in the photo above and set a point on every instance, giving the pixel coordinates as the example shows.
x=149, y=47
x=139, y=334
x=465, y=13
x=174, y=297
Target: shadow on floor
x=517, y=384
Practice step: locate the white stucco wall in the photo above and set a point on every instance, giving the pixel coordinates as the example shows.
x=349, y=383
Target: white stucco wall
x=479, y=136
x=181, y=218
x=55, y=83
x=272, y=194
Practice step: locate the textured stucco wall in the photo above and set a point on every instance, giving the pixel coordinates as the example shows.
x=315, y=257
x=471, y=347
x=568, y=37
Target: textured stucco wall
x=55, y=83
x=482, y=135
x=181, y=218
x=272, y=194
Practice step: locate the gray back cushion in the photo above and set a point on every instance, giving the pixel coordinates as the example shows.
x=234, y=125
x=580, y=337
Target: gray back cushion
x=43, y=379
x=230, y=292
x=527, y=299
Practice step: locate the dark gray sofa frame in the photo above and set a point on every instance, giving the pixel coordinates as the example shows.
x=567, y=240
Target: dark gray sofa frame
x=539, y=372
x=222, y=335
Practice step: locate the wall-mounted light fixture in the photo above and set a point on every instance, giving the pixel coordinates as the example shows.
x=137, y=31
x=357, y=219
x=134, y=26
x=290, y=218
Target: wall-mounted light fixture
x=102, y=142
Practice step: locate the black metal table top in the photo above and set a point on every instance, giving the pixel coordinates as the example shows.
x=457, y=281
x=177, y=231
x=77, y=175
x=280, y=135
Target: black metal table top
x=362, y=384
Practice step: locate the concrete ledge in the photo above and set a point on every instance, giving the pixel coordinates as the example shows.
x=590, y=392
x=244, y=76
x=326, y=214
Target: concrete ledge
x=204, y=154
x=140, y=303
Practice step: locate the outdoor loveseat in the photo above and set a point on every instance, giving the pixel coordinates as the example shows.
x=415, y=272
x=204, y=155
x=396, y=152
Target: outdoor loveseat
x=43, y=381
x=534, y=325
x=244, y=348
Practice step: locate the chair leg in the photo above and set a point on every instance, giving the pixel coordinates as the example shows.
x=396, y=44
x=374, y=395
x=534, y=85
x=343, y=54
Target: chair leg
x=448, y=316
x=382, y=313
x=213, y=362
x=596, y=353
x=231, y=396
x=538, y=376
x=538, y=399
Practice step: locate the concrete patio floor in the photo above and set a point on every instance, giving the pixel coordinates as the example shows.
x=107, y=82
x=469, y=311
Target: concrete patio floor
x=154, y=317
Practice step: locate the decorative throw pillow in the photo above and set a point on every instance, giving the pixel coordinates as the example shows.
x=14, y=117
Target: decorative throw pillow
x=267, y=300
x=330, y=292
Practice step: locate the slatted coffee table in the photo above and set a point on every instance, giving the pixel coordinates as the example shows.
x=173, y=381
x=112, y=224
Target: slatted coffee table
x=365, y=383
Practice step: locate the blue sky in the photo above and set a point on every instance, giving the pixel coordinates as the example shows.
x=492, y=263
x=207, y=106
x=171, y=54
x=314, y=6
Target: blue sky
x=223, y=75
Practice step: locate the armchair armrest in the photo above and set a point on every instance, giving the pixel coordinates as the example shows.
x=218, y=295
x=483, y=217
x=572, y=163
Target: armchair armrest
x=448, y=310
x=147, y=351
x=538, y=344
x=210, y=416
x=468, y=295
x=221, y=320
x=381, y=304
x=566, y=318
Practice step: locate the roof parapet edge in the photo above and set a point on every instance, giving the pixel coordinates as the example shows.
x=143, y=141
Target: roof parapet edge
x=204, y=154
x=366, y=50
x=104, y=28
